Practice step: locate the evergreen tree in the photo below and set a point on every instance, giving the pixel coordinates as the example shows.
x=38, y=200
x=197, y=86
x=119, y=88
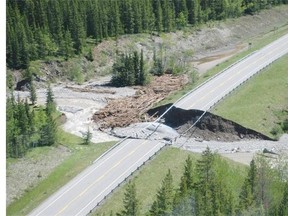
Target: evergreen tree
x=165, y=195
x=136, y=68
x=142, y=75
x=67, y=49
x=50, y=104
x=87, y=137
x=158, y=15
x=33, y=96
x=247, y=196
x=48, y=133
x=206, y=175
x=131, y=203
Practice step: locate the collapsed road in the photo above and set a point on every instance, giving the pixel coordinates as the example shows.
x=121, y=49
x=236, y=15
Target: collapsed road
x=85, y=191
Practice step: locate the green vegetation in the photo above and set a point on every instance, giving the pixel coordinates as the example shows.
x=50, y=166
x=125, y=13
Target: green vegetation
x=41, y=29
x=257, y=43
x=262, y=103
x=29, y=127
x=129, y=70
x=81, y=157
x=149, y=178
x=205, y=188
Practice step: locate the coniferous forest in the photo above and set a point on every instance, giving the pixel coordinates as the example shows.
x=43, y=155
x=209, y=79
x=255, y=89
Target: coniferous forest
x=204, y=189
x=40, y=28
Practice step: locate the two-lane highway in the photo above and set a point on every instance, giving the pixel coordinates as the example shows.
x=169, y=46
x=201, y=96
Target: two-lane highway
x=207, y=95
x=90, y=187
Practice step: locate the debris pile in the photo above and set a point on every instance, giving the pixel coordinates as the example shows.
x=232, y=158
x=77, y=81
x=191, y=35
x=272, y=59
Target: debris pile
x=123, y=112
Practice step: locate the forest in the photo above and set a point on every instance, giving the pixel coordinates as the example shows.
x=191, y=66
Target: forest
x=37, y=29
x=204, y=189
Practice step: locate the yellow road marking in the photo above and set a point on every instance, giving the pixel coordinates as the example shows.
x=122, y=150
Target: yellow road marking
x=101, y=177
x=235, y=74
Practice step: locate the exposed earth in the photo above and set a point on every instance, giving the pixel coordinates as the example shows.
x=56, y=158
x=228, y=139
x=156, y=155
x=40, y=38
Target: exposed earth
x=197, y=49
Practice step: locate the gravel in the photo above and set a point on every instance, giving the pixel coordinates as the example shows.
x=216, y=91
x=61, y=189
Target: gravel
x=240, y=151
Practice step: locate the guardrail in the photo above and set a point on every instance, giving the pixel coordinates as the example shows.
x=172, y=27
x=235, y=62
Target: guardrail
x=258, y=69
x=127, y=178
x=237, y=85
x=160, y=117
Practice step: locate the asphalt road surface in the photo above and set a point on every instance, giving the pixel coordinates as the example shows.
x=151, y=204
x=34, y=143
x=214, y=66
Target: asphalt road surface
x=90, y=187
x=208, y=94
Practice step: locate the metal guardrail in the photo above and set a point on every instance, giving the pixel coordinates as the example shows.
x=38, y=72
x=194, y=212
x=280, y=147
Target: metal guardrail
x=125, y=180
x=257, y=70
x=160, y=117
x=191, y=91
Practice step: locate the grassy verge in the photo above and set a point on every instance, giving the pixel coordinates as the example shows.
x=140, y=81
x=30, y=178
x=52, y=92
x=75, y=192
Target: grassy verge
x=148, y=180
x=80, y=158
x=256, y=44
x=259, y=104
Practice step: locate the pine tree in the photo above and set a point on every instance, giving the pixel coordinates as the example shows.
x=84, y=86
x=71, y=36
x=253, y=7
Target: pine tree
x=206, y=175
x=247, y=195
x=48, y=133
x=158, y=15
x=131, y=203
x=165, y=195
x=188, y=174
x=33, y=96
x=136, y=68
x=87, y=137
x=50, y=104
x=142, y=75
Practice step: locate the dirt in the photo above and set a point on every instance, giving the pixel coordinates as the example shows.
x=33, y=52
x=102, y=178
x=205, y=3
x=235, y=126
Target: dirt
x=197, y=49
x=209, y=127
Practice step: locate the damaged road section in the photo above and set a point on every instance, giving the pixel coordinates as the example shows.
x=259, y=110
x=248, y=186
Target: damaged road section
x=210, y=127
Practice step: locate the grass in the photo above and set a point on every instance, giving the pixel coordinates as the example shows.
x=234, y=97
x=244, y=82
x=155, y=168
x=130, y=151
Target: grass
x=259, y=104
x=80, y=158
x=149, y=179
x=257, y=43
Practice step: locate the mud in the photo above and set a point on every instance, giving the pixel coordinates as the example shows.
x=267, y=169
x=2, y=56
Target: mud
x=210, y=127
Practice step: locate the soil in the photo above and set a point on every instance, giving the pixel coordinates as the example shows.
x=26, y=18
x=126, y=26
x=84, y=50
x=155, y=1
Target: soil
x=209, y=127
x=198, y=49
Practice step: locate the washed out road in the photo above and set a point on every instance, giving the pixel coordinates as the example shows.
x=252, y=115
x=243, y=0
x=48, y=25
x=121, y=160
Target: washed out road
x=90, y=187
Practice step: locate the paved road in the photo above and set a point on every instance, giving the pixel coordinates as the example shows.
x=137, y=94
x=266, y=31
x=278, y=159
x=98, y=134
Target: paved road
x=86, y=190
x=211, y=92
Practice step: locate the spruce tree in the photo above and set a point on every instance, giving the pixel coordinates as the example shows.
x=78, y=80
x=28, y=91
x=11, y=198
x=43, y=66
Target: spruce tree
x=33, y=96
x=206, y=175
x=165, y=195
x=131, y=203
x=50, y=104
x=48, y=133
x=247, y=195
x=142, y=75
x=87, y=137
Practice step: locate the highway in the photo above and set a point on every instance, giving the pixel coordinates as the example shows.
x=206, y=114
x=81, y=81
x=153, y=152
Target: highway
x=90, y=187
x=208, y=94
x=86, y=190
